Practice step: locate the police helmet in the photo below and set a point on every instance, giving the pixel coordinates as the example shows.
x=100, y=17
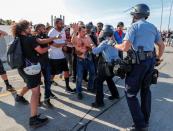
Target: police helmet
x=108, y=31
x=89, y=26
x=140, y=10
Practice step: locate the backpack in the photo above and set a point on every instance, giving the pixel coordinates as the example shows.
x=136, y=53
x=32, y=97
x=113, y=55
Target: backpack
x=15, y=55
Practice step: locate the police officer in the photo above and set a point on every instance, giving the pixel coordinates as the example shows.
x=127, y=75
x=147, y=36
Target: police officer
x=141, y=37
x=105, y=66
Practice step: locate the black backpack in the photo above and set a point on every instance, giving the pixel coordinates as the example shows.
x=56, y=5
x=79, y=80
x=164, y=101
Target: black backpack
x=15, y=55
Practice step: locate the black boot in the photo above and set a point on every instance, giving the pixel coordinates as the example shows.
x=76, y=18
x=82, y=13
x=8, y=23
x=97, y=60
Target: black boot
x=48, y=103
x=36, y=121
x=10, y=88
x=113, y=97
x=21, y=100
x=97, y=105
x=68, y=89
x=52, y=96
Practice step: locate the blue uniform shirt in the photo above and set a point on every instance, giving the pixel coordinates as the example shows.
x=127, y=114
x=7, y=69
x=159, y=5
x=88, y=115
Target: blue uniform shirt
x=109, y=52
x=118, y=38
x=143, y=33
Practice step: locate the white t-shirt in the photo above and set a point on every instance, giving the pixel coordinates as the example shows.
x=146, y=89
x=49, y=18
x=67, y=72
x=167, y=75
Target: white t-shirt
x=56, y=53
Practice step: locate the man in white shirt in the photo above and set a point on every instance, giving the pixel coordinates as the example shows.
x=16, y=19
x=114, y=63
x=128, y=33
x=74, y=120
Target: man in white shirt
x=57, y=58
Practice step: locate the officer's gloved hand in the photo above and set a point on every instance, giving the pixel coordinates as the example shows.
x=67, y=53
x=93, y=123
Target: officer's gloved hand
x=158, y=61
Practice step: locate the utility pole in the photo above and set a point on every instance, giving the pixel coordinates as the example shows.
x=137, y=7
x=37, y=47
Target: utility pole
x=170, y=15
x=52, y=21
x=161, y=17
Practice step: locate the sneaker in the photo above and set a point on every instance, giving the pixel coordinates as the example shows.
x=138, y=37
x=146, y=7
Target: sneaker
x=80, y=96
x=21, y=100
x=54, y=83
x=10, y=88
x=96, y=105
x=48, y=103
x=36, y=121
x=137, y=129
x=113, y=97
x=52, y=96
x=69, y=90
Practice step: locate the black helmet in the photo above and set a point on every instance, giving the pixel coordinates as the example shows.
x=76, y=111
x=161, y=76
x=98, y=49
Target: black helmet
x=89, y=25
x=108, y=31
x=140, y=10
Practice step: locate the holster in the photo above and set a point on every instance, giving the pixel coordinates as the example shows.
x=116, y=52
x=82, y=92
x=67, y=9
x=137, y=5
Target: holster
x=151, y=78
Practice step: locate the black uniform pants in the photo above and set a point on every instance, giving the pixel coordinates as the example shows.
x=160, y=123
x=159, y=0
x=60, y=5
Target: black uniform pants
x=98, y=85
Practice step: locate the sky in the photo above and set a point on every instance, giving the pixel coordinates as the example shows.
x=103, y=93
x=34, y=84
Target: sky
x=106, y=11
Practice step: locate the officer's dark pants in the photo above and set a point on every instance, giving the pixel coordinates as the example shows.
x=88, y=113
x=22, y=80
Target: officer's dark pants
x=98, y=84
x=46, y=71
x=140, y=113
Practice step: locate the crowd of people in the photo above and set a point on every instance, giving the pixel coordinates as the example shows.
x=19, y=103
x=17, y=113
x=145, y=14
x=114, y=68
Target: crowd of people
x=62, y=49
x=167, y=37
x=85, y=52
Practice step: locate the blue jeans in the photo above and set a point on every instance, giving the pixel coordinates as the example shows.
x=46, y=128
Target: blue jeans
x=45, y=68
x=83, y=64
x=134, y=83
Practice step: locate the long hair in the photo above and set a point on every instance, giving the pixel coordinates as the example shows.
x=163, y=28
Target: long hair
x=18, y=28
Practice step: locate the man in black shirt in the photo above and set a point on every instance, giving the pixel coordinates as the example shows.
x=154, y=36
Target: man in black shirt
x=31, y=51
x=40, y=31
